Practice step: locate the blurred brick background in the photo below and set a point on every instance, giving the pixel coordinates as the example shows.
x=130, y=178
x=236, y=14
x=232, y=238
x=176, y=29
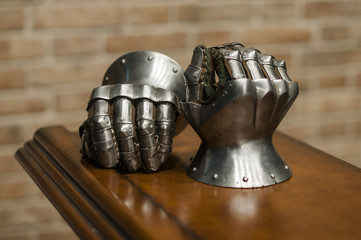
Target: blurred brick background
x=53, y=53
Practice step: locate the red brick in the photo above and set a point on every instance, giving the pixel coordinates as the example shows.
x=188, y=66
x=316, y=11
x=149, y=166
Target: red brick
x=145, y=42
x=26, y=215
x=11, y=19
x=72, y=46
x=21, y=48
x=330, y=129
x=23, y=104
x=358, y=127
x=316, y=57
x=302, y=83
x=11, y=134
x=89, y=15
x=14, y=190
x=358, y=79
x=335, y=103
x=279, y=9
x=281, y=56
x=188, y=12
x=326, y=8
x=214, y=38
x=332, y=33
x=73, y=73
x=342, y=149
x=12, y=78
x=73, y=100
x=150, y=14
x=348, y=150
x=74, y=124
x=298, y=132
x=17, y=236
x=71, y=120
x=305, y=104
x=337, y=81
x=9, y=164
x=272, y=35
x=197, y=12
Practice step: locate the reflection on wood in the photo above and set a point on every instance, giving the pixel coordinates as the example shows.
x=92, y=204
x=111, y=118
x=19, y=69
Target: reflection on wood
x=321, y=200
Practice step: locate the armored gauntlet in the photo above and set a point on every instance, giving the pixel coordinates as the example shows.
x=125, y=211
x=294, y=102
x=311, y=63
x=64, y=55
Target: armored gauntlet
x=235, y=99
x=132, y=116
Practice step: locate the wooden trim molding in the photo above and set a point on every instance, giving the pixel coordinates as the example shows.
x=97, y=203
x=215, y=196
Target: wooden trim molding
x=322, y=200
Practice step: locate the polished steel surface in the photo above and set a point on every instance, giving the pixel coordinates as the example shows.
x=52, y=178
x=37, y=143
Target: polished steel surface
x=147, y=68
x=108, y=134
x=134, y=92
x=236, y=124
x=132, y=117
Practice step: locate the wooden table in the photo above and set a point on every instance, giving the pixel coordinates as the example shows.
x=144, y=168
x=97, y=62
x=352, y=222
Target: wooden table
x=321, y=201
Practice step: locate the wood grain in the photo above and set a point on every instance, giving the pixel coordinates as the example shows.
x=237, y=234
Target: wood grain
x=321, y=201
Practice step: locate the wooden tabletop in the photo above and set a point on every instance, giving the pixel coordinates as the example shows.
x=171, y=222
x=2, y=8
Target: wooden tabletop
x=322, y=200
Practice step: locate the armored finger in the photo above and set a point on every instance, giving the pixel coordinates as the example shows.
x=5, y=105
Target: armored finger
x=234, y=45
x=235, y=64
x=121, y=97
x=266, y=99
x=122, y=109
x=200, y=75
x=146, y=135
x=165, y=120
x=220, y=65
x=281, y=68
x=250, y=56
x=282, y=97
x=103, y=142
x=193, y=75
x=287, y=92
x=267, y=62
x=85, y=141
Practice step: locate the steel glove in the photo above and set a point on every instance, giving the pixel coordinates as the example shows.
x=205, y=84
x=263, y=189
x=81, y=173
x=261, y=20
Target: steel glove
x=235, y=99
x=132, y=116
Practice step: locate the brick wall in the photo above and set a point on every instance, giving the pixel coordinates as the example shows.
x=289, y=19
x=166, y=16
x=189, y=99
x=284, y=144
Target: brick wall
x=53, y=53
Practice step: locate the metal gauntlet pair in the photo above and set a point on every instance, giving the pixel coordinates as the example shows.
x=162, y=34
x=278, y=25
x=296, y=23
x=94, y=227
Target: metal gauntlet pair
x=233, y=97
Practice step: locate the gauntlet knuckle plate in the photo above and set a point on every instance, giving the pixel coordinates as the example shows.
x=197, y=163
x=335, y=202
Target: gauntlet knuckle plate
x=237, y=124
x=99, y=122
x=145, y=127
